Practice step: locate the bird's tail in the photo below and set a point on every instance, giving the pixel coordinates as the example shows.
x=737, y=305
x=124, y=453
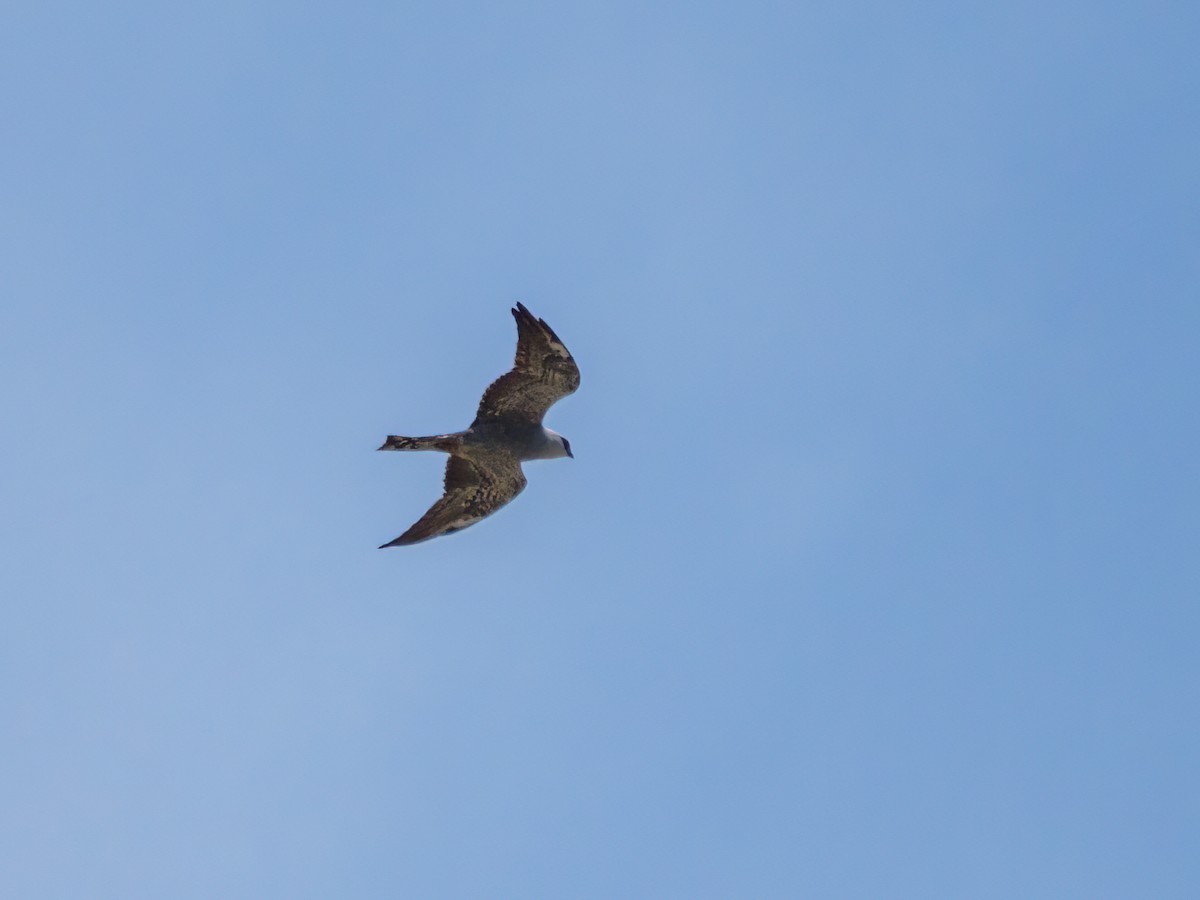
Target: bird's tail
x=447, y=443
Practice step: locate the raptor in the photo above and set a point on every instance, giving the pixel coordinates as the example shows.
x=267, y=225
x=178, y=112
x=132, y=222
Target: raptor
x=484, y=469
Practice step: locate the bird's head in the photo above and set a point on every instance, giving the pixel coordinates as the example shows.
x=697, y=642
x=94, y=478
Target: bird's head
x=559, y=445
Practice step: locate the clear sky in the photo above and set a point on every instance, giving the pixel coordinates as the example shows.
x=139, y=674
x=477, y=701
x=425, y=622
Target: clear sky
x=875, y=574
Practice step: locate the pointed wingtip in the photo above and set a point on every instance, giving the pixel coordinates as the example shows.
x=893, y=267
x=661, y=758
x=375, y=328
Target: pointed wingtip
x=403, y=541
x=521, y=313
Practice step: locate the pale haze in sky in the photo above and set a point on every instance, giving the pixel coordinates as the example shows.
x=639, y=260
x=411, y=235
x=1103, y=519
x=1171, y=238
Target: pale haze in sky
x=875, y=572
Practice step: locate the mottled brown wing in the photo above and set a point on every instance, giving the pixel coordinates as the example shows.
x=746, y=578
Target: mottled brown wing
x=544, y=372
x=474, y=490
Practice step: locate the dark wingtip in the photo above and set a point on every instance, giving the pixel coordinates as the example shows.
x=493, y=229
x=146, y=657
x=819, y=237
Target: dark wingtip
x=521, y=314
x=404, y=540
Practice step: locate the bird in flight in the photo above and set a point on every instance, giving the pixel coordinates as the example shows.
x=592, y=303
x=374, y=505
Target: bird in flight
x=484, y=470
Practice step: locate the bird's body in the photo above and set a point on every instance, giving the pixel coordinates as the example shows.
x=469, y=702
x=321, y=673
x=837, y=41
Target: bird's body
x=484, y=470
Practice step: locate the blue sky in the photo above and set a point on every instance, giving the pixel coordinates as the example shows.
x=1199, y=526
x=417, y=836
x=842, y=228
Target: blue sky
x=875, y=572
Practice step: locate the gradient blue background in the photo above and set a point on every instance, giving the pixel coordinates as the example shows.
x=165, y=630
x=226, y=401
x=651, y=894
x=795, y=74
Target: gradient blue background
x=875, y=575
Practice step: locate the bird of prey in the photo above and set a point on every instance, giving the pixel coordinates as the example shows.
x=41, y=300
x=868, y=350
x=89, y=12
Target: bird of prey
x=484, y=470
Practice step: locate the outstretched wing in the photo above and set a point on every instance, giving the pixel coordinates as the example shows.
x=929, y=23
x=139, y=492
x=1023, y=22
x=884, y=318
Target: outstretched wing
x=474, y=490
x=544, y=373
